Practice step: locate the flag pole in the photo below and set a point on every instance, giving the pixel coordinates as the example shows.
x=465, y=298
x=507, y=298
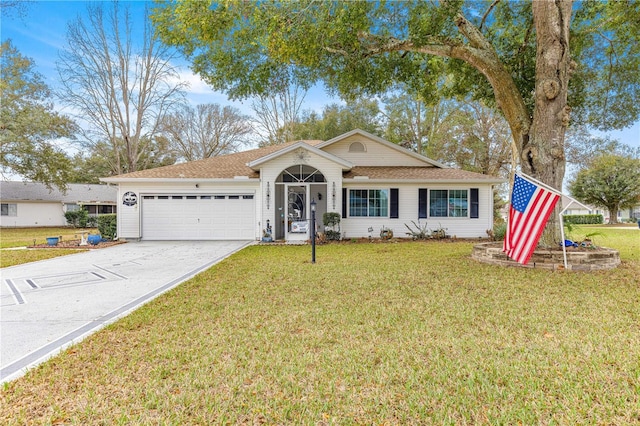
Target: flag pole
x=564, y=247
x=560, y=215
x=545, y=186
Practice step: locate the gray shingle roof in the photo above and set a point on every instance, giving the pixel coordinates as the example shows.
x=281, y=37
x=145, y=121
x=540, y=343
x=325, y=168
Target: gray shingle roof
x=417, y=173
x=76, y=193
x=222, y=167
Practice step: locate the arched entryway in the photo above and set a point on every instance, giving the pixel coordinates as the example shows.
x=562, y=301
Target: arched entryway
x=295, y=188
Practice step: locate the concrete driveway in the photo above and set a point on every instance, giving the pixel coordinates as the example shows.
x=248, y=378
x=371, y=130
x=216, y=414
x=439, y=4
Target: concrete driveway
x=46, y=306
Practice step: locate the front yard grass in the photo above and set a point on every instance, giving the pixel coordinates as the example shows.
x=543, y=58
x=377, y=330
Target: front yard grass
x=18, y=257
x=407, y=333
x=23, y=237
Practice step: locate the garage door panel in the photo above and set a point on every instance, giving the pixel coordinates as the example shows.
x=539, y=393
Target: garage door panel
x=202, y=218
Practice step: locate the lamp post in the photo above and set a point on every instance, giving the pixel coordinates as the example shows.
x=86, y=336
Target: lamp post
x=313, y=231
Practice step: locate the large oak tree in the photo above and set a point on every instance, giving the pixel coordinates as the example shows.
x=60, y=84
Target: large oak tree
x=535, y=61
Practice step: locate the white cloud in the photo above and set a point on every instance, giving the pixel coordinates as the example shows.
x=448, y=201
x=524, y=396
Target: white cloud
x=196, y=85
x=199, y=92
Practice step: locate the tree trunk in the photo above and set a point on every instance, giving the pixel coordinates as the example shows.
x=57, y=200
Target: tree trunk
x=613, y=214
x=542, y=153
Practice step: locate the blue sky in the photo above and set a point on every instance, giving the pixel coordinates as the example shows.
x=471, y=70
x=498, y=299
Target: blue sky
x=41, y=34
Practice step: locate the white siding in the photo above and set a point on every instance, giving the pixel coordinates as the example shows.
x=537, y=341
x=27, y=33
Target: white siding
x=35, y=214
x=408, y=211
x=376, y=154
x=332, y=173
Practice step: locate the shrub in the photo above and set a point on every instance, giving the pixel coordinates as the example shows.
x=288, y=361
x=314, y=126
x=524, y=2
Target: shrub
x=78, y=218
x=332, y=235
x=108, y=225
x=332, y=220
x=499, y=231
x=583, y=219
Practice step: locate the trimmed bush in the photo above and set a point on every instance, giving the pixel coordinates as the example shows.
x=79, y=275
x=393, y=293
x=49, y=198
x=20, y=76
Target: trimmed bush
x=108, y=225
x=78, y=218
x=584, y=219
x=332, y=220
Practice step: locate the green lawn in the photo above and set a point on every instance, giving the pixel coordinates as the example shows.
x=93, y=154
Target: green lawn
x=23, y=237
x=395, y=333
x=18, y=257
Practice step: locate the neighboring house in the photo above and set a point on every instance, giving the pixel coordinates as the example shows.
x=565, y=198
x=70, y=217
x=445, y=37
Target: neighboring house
x=582, y=209
x=26, y=204
x=372, y=183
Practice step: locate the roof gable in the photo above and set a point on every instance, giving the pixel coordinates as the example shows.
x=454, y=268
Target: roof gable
x=386, y=151
x=300, y=145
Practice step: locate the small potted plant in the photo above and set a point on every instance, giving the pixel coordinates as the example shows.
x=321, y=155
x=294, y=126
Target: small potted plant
x=386, y=233
x=266, y=236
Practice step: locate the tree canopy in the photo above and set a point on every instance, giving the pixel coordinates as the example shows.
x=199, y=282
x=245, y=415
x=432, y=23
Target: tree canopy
x=29, y=124
x=338, y=119
x=516, y=56
x=364, y=48
x=611, y=181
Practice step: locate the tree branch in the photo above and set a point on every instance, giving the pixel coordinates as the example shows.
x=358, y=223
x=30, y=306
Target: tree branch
x=480, y=54
x=486, y=14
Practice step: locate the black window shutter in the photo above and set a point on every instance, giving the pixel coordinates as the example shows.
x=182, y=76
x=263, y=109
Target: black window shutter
x=345, y=202
x=394, y=204
x=475, y=203
x=422, y=202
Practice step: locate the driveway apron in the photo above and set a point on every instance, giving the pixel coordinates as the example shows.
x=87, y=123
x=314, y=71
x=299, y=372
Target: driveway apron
x=46, y=306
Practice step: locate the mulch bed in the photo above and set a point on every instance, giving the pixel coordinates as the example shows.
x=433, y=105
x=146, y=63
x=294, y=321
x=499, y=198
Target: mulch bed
x=75, y=244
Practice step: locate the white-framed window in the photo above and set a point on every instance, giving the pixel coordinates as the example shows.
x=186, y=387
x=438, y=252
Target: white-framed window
x=368, y=203
x=9, y=209
x=448, y=203
x=72, y=207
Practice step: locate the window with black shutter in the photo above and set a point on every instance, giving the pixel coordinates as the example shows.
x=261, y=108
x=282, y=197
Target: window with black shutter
x=393, y=203
x=475, y=203
x=344, y=202
x=423, y=194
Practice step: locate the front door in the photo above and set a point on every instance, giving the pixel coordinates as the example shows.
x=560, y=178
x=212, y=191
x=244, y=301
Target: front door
x=297, y=212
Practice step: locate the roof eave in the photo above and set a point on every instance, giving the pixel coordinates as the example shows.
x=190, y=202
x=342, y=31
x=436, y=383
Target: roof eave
x=181, y=180
x=383, y=180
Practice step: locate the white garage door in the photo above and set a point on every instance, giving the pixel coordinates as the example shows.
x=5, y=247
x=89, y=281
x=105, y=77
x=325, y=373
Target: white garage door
x=198, y=217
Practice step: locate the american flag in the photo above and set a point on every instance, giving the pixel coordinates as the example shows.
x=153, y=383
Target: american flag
x=530, y=208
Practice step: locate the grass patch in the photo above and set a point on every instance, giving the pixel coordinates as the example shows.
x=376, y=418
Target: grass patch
x=23, y=237
x=18, y=257
x=411, y=333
